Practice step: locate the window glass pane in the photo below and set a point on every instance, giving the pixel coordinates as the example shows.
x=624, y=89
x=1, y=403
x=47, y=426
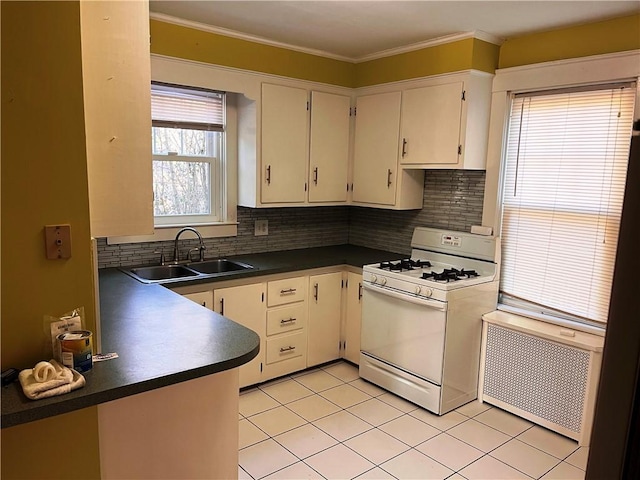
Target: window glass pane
x=565, y=169
x=181, y=188
x=180, y=141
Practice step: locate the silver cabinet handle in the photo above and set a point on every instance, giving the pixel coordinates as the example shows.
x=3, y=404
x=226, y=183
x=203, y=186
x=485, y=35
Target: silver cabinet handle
x=315, y=291
x=287, y=320
x=288, y=291
x=359, y=291
x=268, y=174
x=389, y=173
x=315, y=176
x=287, y=349
x=404, y=147
x=222, y=306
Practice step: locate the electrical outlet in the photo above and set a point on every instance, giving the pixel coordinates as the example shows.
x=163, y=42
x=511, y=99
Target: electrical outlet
x=261, y=228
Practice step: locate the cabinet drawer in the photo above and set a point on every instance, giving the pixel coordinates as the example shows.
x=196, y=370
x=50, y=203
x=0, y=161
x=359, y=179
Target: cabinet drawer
x=287, y=346
x=286, y=319
x=289, y=290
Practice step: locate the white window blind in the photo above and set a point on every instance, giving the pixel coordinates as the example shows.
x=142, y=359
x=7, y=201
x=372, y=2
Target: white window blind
x=565, y=171
x=195, y=109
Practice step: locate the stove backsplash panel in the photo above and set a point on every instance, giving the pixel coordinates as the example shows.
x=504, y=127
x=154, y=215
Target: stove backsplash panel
x=452, y=199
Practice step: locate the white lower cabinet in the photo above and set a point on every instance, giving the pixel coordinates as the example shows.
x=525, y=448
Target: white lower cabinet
x=299, y=320
x=203, y=298
x=245, y=304
x=325, y=308
x=286, y=340
x=353, y=318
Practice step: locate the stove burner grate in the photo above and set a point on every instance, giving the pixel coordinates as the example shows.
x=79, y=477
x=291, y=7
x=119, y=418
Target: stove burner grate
x=404, y=264
x=450, y=275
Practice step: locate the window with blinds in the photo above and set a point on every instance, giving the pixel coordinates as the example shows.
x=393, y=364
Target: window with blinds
x=564, y=176
x=188, y=139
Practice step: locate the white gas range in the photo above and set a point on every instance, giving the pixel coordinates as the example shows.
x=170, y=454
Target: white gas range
x=421, y=317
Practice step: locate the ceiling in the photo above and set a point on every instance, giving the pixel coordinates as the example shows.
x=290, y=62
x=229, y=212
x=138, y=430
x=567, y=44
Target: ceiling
x=361, y=30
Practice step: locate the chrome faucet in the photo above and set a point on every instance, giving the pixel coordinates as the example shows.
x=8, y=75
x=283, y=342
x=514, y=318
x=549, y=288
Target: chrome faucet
x=201, y=248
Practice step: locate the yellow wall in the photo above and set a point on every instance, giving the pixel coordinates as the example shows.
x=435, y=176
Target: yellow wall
x=189, y=43
x=445, y=58
x=44, y=181
x=616, y=35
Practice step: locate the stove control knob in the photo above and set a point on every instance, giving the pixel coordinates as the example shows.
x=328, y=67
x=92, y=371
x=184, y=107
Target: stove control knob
x=427, y=292
x=418, y=290
x=383, y=281
x=374, y=279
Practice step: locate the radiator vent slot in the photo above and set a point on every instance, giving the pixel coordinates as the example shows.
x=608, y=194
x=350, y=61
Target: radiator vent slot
x=546, y=379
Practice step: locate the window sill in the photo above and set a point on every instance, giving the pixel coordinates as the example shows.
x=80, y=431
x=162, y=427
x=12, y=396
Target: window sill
x=168, y=232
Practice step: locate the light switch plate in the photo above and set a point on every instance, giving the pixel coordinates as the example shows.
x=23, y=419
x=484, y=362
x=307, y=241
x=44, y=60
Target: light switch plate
x=261, y=228
x=57, y=240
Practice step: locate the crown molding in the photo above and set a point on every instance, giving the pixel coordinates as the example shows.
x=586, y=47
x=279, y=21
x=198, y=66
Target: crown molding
x=321, y=53
x=244, y=36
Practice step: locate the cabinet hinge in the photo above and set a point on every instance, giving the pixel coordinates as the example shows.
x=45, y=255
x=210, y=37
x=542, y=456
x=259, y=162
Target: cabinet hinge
x=459, y=149
x=463, y=95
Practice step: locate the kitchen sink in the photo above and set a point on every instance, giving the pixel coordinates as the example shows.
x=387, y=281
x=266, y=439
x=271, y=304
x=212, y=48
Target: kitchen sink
x=218, y=266
x=175, y=273
x=162, y=272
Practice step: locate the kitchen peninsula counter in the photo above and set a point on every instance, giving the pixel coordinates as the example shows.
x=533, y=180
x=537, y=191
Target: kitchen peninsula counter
x=163, y=339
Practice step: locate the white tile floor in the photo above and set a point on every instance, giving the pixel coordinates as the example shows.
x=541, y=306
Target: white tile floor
x=328, y=423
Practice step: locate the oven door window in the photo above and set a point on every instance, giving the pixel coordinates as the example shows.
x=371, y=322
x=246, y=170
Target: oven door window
x=404, y=334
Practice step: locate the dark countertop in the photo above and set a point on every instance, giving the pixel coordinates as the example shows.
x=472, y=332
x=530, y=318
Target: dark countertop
x=162, y=338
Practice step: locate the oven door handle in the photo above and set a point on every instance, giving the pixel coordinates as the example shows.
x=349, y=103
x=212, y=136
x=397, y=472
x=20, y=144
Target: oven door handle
x=425, y=302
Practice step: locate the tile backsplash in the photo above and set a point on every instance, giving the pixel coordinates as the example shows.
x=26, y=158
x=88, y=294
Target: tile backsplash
x=452, y=199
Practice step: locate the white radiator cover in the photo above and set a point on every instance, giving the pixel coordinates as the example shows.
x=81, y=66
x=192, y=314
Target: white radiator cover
x=541, y=372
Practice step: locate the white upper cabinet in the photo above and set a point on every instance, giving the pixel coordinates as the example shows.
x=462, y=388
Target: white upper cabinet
x=431, y=124
x=303, y=153
x=285, y=129
x=377, y=178
x=329, y=147
x=116, y=75
x=446, y=125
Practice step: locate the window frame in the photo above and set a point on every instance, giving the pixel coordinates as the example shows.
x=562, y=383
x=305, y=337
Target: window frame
x=597, y=69
x=216, y=163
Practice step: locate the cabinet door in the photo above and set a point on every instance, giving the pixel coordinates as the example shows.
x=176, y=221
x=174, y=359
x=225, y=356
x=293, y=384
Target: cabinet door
x=245, y=305
x=325, y=301
x=203, y=298
x=329, y=147
x=376, y=148
x=431, y=124
x=285, y=127
x=353, y=318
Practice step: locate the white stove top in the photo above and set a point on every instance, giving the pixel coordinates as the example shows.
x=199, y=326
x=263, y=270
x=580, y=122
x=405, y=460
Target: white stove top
x=453, y=260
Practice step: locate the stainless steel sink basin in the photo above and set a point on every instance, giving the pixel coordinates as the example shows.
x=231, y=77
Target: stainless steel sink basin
x=218, y=266
x=175, y=273
x=162, y=272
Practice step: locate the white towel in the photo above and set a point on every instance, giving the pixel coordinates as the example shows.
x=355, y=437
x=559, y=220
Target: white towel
x=44, y=372
x=60, y=380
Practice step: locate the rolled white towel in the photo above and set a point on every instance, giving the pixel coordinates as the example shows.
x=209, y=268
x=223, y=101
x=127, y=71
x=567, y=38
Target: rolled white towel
x=64, y=381
x=44, y=372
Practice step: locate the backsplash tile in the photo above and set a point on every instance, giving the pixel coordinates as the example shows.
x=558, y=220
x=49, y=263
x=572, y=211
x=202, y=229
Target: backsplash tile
x=452, y=199
x=289, y=228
